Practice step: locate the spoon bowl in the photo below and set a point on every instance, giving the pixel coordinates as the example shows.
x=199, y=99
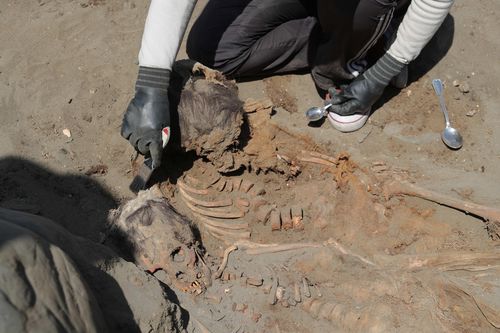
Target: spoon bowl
x=452, y=138
x=316, y=113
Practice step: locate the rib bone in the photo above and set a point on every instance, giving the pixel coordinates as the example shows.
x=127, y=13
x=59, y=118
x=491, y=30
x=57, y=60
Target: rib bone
x=214, y=213
x=208, y=204
x=188, y=188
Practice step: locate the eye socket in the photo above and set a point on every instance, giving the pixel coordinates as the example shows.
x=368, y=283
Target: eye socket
x=178, y=255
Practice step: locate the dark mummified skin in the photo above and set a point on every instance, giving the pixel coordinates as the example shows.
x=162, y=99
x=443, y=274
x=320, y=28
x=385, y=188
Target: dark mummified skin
x=158, y=237
x=209, y=113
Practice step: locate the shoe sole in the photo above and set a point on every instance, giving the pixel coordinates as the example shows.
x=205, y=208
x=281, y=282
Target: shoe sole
x=348, y=123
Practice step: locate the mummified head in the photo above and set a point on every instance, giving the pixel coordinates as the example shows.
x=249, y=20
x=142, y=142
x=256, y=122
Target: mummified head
x=158, y=236
x=209, y=111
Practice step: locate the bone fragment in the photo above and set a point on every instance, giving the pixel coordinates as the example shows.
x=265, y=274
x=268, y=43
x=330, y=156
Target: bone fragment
x=286, y=219
x=209, y=204
x=243, y=202
x=240, y=307
x=343, y=250
x=192, y=180
x=213, y=298
x=256, y=316
x=252, y=105
x=214, y=213
x=246, y=186
x=280, y=293
x=305, y=288
x=316, y=161
x=263, y=213
x=267, y=288
x=228, y=236
x=273, y=247
x=211, y=75
x=465, y=261
x=307, y=304
x=237, y=184
x=397, y=187
x=223, y=264
x=326, y=310
x=257, y=191
x=322, y=156
x=272, y=293
x=275, y=220
x=214, y=181
x=243, y=205
x=190, y=189
x=256, y=282
x=229, y=186
x=315, y=307
x=221, y=185
x=296, y=292
x=318, y=291
x=297, y=211
x=297, y=223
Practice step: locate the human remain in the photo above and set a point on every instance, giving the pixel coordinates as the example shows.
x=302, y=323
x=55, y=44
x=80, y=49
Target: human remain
x=249, y=38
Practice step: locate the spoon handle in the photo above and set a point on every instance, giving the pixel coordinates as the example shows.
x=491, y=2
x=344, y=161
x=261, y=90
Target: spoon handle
x=438, y=88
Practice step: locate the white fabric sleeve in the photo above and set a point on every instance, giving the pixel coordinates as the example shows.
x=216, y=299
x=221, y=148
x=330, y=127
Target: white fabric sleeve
x=165, y=26
x=420, y=23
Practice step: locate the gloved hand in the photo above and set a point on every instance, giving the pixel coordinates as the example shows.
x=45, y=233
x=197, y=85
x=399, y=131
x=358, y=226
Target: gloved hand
x=366, y=89
x=146, y=123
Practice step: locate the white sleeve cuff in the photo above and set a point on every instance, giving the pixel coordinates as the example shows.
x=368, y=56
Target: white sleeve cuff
x=165, y=26
x=422, y=20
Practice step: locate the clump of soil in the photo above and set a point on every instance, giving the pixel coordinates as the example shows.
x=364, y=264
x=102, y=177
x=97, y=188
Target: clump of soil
x=276, y=89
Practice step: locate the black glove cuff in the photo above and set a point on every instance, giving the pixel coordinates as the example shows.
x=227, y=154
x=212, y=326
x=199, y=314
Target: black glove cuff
x=384, y=70
x=150, y=77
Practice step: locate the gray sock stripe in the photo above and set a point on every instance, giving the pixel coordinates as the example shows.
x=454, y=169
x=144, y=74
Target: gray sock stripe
x=146, y=84
x=385, y=69
x=153, y=77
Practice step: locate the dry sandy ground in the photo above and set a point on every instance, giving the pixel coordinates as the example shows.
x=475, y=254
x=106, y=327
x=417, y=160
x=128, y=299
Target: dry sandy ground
x=71, y=65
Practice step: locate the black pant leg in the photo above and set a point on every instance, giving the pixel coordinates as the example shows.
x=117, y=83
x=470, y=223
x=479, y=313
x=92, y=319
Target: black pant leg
x=252, y=37
x=350, y=30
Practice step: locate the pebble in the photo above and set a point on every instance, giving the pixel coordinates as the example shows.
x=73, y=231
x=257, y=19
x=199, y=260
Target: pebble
x=67, y=132
x=464, y=88
x=471, y=113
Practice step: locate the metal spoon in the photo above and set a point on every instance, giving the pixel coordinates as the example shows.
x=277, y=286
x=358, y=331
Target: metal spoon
x=316, y=113
x=450, y=136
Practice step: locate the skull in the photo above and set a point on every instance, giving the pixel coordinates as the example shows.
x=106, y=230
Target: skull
x=156, y=237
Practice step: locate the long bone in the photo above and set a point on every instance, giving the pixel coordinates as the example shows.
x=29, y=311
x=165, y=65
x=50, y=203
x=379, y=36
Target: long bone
x=315, y=160
x=223, y=264
x=321, y=156
x=257, y=249
x=395, y=187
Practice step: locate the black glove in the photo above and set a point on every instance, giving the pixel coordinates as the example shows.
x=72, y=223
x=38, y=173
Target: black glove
x=366, y=89
x=146, y=123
